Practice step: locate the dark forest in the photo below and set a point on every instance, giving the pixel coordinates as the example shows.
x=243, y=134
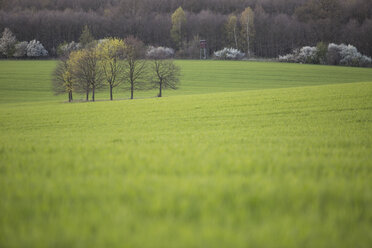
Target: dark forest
x=279, y=25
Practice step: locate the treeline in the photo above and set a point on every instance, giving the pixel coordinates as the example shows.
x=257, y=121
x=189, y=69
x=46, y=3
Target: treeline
x=92, y=65
x=279, y=26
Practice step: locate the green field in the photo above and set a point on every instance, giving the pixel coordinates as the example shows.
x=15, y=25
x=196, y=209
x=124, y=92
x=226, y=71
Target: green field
x=244, y=154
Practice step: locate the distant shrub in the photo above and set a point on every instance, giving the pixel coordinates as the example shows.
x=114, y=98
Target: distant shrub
x=36, y=49
x=7, y=43
x=290, y=57
x=351, y=57
x=159, y=52
x=20, y=49
x=66, y=48
x=346, y=55
x=333, y=55
x=229, y=54
x=308, y=55
x=365, y=61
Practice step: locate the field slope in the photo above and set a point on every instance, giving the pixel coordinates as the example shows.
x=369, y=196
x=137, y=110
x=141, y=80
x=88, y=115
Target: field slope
x=282, y=162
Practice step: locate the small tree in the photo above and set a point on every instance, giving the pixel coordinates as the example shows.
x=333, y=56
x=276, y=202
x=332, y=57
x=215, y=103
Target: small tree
x=7, y=43
x=36, y=49
x=86, y=37
x=165, y=74
x=111, y=51
x=62, y=79
x=136, y=66
x=85, y=70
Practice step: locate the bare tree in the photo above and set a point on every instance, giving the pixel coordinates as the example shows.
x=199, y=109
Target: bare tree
x=165, y=74
x=111, y=52
x=86, y=71
x=62, y=79
x=136, y=66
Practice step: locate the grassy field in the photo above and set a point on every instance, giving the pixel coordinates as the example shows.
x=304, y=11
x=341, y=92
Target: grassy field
x=243, y=155
x=26, y=81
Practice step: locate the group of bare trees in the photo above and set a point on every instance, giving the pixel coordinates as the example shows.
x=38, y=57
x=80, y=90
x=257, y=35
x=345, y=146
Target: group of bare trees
x=111, y=63
x=279, y=25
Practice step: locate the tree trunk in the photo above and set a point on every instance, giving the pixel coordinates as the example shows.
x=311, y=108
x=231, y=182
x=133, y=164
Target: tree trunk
x=87, y=97
x=248, y=53
x=131, y=90
x=111, y=92
x=160, y=88
x=93, y=92
x=235, y=38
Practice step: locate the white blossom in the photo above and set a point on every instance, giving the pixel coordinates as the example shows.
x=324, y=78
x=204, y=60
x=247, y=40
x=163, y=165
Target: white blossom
x=159, y=52
x=36, y=49
x=347, y=55
x=229, y=54
x=7, y=43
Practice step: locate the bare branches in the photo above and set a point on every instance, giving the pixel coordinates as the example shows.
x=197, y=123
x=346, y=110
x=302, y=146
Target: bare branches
x=165, y=74
x=136, y=65
x=111, y=52
x=114, y=63
x=62, y=80
x=86, y=71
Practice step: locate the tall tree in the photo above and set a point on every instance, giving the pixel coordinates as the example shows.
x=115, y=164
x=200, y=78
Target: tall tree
x=232, y=31
x=136, y=66
x=7, y=43
x=178, y=22
x=246, y=20
x=165, y=74
x=111, y=52
x=62, y=79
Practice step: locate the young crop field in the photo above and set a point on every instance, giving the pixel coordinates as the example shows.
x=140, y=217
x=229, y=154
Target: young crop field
x=244, y=154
